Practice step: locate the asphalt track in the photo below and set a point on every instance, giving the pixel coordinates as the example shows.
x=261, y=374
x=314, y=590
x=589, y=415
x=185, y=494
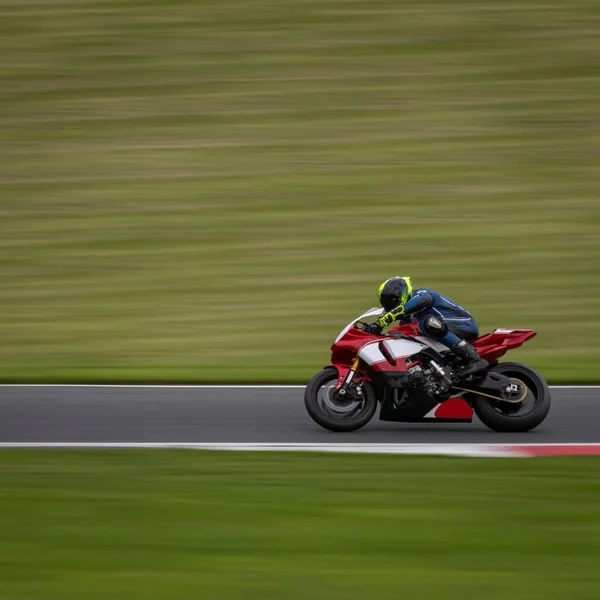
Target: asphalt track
x=247, y=415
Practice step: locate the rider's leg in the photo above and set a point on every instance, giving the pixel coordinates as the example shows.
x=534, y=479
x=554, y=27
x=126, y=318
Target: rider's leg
x=451, y=333
x=463, y=330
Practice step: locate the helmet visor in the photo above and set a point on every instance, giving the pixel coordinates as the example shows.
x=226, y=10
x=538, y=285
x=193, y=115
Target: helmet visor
x=389, y=301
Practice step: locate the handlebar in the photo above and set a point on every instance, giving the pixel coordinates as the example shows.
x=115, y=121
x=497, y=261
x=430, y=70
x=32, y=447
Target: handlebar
x=387, y=335
x=363, y=327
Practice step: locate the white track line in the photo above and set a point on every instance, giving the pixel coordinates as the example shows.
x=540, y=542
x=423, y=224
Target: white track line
x=464, y=450
x=574, y=387
x=490, y=450
x=282, y=445
x=209, y=387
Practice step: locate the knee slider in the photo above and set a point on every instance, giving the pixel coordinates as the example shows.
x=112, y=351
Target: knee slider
x=435, y=326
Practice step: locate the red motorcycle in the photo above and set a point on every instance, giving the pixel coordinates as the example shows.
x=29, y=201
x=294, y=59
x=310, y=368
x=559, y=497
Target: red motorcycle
x=416, y=379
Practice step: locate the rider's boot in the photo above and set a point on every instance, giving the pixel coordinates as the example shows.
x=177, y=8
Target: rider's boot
x=473, y=363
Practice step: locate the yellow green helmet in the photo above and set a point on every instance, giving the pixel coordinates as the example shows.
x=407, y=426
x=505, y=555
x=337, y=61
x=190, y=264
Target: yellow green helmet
x=395, y=292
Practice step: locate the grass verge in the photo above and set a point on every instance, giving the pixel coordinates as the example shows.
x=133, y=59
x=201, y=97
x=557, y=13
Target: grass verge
x=170, y=524
x=211, y=190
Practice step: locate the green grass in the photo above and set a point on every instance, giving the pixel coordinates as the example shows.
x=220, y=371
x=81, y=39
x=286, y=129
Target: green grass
x=202, y=190
x=239, y=526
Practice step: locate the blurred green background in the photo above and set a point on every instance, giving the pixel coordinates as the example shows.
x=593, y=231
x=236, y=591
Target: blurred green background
x=209, y=191
x=272, y=526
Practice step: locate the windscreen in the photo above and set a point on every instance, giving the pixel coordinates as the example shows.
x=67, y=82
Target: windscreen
x=372, y=313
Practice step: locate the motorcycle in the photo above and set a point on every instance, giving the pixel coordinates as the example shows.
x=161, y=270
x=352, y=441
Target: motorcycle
x=416, y=379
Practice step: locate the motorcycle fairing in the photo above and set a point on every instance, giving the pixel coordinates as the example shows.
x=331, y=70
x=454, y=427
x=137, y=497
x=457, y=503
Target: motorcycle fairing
x=423, y=409
x=351, y=342
x=496, y=344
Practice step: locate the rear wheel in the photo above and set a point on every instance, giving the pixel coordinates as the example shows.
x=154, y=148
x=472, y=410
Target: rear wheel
x=334, y=412
x=515, y=417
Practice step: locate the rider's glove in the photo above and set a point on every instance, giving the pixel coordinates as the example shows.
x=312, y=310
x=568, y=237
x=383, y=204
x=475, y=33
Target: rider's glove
x=387, y=319
x=373, y=328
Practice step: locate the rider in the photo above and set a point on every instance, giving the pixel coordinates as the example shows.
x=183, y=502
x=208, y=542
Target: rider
x=438, y=317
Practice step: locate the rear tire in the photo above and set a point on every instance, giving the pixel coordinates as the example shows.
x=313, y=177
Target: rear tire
x=525, y=416
x=334, y=413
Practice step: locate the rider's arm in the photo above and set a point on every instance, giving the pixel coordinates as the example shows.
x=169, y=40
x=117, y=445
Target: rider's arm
x=419, y=302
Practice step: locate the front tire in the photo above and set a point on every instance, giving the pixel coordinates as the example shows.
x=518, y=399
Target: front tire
x=525, y=416
x=332, y=412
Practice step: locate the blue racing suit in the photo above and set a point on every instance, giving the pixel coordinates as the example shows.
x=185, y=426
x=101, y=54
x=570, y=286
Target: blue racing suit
x=425, y=302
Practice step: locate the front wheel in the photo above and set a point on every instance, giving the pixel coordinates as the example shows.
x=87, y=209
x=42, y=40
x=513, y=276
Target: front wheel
x=334, y=412
x=522, y=416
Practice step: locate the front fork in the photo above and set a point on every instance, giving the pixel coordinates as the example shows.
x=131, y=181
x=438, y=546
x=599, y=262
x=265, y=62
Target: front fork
x=345, y=388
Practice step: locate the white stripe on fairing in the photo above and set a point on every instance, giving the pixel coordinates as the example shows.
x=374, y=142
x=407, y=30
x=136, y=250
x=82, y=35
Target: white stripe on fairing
x=371, y=353
x=399, y=348
x=431, y=413
x=471, y=450
x=167, y=386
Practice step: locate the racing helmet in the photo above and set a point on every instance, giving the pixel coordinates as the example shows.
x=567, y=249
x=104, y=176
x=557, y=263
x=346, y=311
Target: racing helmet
x=395, y=292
